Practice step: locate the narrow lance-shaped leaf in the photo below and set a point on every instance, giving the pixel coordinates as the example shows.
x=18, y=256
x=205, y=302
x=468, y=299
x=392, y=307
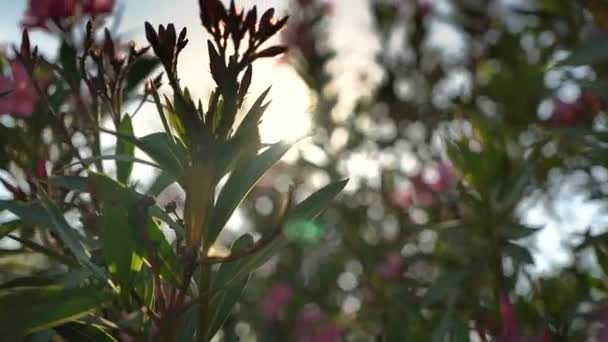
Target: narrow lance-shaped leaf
x=240, y=183
x=160, y=147
x=590, y=52
x=306, y=210
x=35, y=309
x=83, y=332
x=124, y=168
x=70, y=237
x=226, y=297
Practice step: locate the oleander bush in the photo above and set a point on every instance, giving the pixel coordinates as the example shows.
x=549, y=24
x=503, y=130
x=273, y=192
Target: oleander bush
x=408, y=221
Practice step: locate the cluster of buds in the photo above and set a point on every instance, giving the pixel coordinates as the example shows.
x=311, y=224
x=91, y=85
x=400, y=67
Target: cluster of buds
x=233, y=24
x=426, y=192
x=582, y=111
x=112, y=66
x=225, y=25
x=167, y=45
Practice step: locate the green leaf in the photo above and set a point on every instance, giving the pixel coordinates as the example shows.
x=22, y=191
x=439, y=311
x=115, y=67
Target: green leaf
x=460, y=332
x=120, y=241
x=69, y=236
x=118, y=157
x=239, y=184
x=170, y=268
x=139, y=71
x=74, y=278
x=162, y=215
x=31, y=310
x=160, y=147
x=590, y=52
x=74, y=183
x=124, y=168
x=162, y=181
x=46, y=214
x=448, y=283
x=516, y=231
x=31, y=213
x=311, y=207
x=187, y=331
x=303, y=211
x=127, y=205
x=31, y=281
x=84, y=332
x=7, y=228
x=520, y=254
x=51, y=254
x=69, y=63
x=227, y=295
x=161, y=113
x=170, y=156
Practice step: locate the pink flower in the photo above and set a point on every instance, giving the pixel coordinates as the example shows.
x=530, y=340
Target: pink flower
x=565, y=114
x=402, y=198
x=300, y=37
x=310, y=327
x=446, y=179
x=22, y=99
x=425, y=7
x=94, y=7
x=510, y=328
x=309, y=317
x=327, y=333
x=275, y=301
x=508, y=316
x=392, y=268
x=39, y=11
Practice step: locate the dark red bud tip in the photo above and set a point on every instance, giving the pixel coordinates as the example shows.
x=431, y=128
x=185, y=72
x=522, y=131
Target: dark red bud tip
x=25, y=49
x=151, y=35
x=41, y=169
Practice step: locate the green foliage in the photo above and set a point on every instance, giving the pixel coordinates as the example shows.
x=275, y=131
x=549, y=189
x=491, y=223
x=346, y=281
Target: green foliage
x=34, y=309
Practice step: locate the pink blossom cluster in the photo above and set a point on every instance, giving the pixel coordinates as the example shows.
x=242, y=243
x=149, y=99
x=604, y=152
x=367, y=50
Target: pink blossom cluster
x=580, y=111
x=510, y=330
x=21, y=97
x=392, y=267
x=39, y=12
x=425, y=192
x=312, y=326
x=275, y=301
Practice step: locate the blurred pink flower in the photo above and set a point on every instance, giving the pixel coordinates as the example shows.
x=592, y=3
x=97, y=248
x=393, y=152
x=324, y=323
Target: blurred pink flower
x=95, y=7
x=508, y=316
x=446, y=179
x=402, y=198
x=22, y=99
x=309, y=317
x=510, y=328
x=327, y=333
x=425, y=7
x=565, y=114
x=310, y=327
x=424, y=192
x=300, y=37
x=275, y=301
x=392, y=268
x=39, y=11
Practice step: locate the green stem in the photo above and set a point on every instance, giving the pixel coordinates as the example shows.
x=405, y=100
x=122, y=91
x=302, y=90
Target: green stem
x=204, y=285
